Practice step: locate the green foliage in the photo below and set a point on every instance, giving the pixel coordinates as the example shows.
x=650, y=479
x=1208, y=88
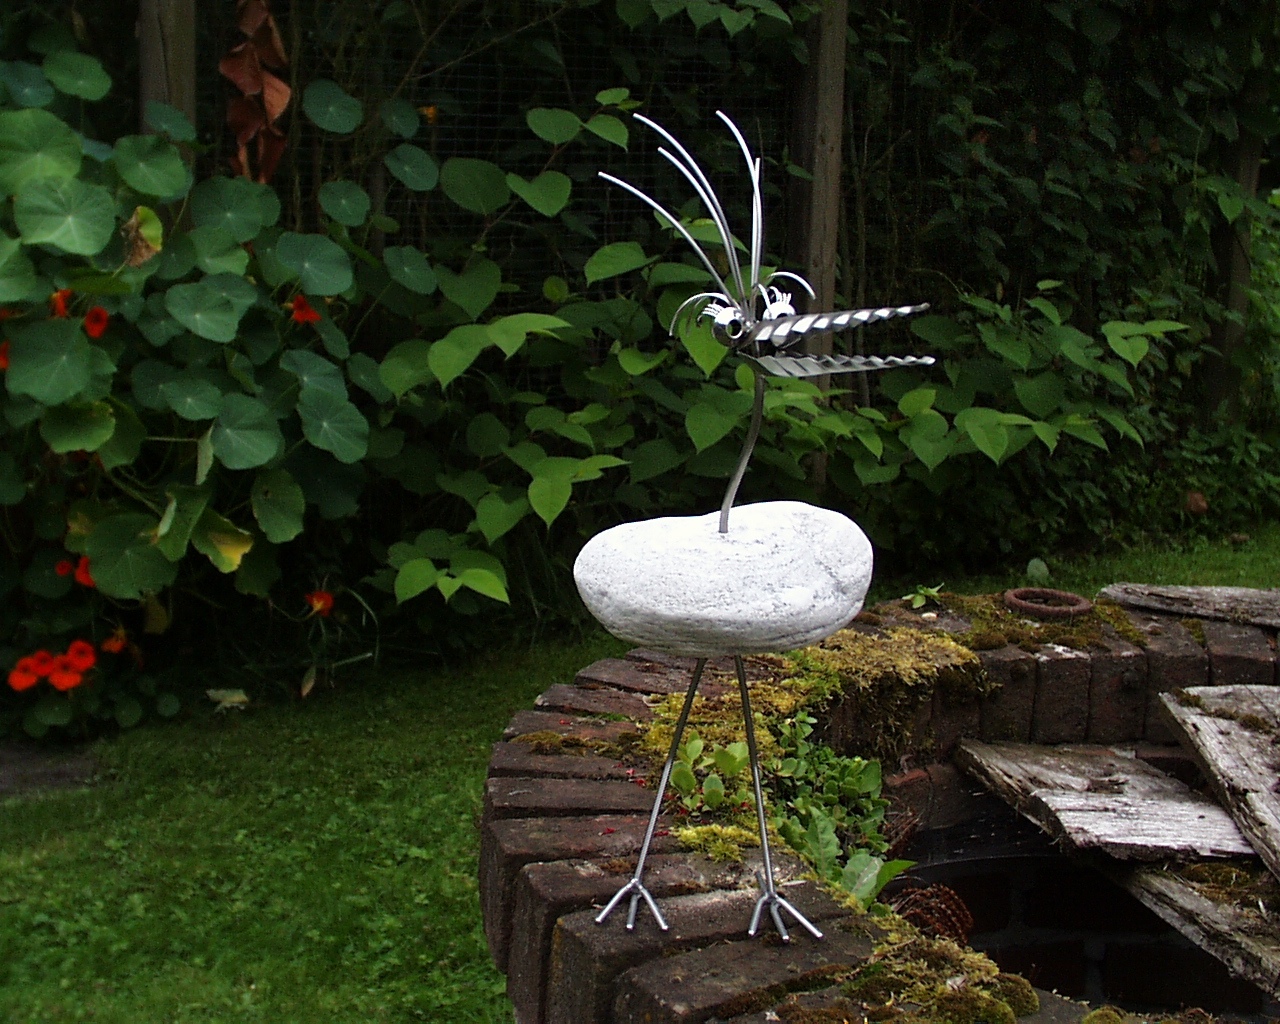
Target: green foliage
x=706, y=778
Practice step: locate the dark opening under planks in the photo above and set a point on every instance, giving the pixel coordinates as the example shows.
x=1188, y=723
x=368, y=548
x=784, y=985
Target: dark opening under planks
x=1233, y=732
x=1231, y=604
x=1099, y=798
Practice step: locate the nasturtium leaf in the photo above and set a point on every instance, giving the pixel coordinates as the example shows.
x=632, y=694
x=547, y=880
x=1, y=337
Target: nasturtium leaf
x=13, y=489
x=152, y=165
x=476, y=185
x=363, y=372
x=230, y=204
x=609, y=128
x=314, y=371
x=487, y=436
x=706, y=425
x=495, y=515
x=345, y=201
x=400, y=116
x=246, y=434
x=191, y=397
x=26, y=83
x=71, y=214
x=49, y=360
x=414, y=577
x=450, y=357
x=17, y=273
x=474, y=289
x=509, y=332
x=553, y=124
x=170, y=120
x=334, y=424
x=185, y=507
x=259, y=569
x=653, y=458
x=548, y=193
x=204, y=310
x=41, y=577
x=125, y=561
x=122, y=448
x=482, y=581
x=548, y=496
x=614, y=259
x=413, y=166
x=69, y=428
x=217, y=252
x=405, y=367
x=322, y=267
x=35, y=144
x=168, y=705
x=985, y=429
x=612, y=97
x=330, y=107
x=53, y=710
x=77, y=74
x=221, y=541
x=409, y=267
x=278, y=504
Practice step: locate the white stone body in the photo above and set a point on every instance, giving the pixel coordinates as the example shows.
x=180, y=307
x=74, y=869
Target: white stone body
x=786, y=575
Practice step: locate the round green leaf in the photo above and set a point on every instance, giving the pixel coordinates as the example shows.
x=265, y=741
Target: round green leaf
x=612, y=97
x=72, y=214
x=152, y=165
x=331, y=108
x=35, y=144
x=126, y=440
x=170, y=120
x=332, y=423
x=246, y=434
x=204, y=310
x=217, y=252
x=407, y=266
x=49, y=360
x=553, y=124
x=167, y=705
x=191, y=397
x=278, y=504
x=77, y=74
x=345, y=201
x=124, y=560
x=17, y=273
x=70, y=428
x=27, y=84
x=614, y=259
x=400, y=116
x=321, y=265
x=231, y=204
x=314, y=372
x=548, y=193
x=413, y=166
x=475, y=185
x=54, y=709
x=128, y=712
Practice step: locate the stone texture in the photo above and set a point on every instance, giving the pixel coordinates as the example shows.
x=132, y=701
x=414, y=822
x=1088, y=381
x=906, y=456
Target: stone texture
x=1062, y=695
x=1117, y=692
x=593, y=699
x=1006, y=713
x=1238, y=654
x=509, y=797
x=786, y=574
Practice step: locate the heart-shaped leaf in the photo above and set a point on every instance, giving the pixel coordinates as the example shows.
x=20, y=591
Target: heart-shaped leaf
x=330, y=107
x=548, y=496
x=926, y=434
x=450, y=357
x=475, y=185
x=72, y=214
x=495, y=515
x=474, y=289
x=414, y=577
x=548, y=193
x=986, y=430
x=706, y=425
x=614, y=259
x=609, y=128
x=413, y=166
x=553, y=124
x=509, y=332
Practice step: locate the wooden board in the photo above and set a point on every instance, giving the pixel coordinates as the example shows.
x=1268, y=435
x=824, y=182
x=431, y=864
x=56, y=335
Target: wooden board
x=1097, y=798
x=1240, y=761
x=1244, y=940
x=1232, y=604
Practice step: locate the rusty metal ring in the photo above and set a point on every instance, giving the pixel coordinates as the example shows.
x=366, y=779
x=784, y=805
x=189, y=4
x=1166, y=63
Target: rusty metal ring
x=1043, y=603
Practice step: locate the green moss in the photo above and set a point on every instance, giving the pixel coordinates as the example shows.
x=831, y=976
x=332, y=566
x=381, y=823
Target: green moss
x=1254, y=723
x=1103, y=1015
x=990, y=619
x=1196, y=628
x=971, y=1006
x=719, y=842
x=1017, y=992
x=1187, y=700
x=1118, y=619
x=545, y=741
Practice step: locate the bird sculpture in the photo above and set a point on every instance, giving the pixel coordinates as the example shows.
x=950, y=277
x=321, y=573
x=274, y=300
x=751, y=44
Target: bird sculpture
x=789, y=573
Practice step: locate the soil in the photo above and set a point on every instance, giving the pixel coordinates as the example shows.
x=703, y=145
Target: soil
x=27, y=767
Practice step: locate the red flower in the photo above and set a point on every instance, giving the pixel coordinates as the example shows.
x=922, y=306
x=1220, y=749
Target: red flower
x=23, y=675
x=95, y=322
x=41, y=663
x=64, y=568
x=64, y=675
x=116, y=642
x=321, y=602
x=4, y=354
x=81, y=656
x=302, y=311
x=83, y=576
x=58, y=301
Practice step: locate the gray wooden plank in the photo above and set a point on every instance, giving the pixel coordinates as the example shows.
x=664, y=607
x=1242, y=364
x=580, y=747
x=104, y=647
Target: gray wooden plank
x=1231, y=604
x=1100, y=798
x=1234, y=732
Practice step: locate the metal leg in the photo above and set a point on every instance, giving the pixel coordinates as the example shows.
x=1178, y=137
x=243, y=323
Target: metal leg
x=636, y=887
x=769, y=893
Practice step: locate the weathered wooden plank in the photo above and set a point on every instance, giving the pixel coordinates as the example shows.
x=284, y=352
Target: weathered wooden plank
x=1231, y=604
x=1244, y=940
x=1234, y=732
x=1099, y=798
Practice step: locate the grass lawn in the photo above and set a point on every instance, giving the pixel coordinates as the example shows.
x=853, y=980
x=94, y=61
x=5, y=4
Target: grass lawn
x=317, y=862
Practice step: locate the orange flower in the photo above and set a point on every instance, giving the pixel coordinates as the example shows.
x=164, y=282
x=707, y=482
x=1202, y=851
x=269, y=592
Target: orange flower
x=4, y=354
x=302, y=311
x=64, y=675
x=58, y=301
x=81, y=656
x=116, y=642
x=23, y=675
x=83, y=577
x=64, y=567
x=321, y=602
x=95, y=322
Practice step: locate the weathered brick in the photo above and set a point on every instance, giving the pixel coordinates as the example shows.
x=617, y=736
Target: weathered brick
x=1174, y=660
x=1117, y=692
x=1062, y=695
x=514, y=758
x=507, y=845
x=594, y=699
x=732, y=978
x=1238, y=654
x=508, y=797
x=950, y=721
x=639, y=677
x=524, y=722
x=545, y=892
x=587, y=958
x=1006, y=713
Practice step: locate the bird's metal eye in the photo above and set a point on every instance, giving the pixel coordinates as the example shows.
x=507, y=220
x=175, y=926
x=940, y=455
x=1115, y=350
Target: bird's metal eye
x=728, y=324
x=777, y=304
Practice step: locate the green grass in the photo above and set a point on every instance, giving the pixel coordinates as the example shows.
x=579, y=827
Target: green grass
x=317, y=862
x=287, y=864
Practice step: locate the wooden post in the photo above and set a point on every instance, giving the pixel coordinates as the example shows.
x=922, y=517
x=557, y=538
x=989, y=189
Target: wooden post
x=167, y=55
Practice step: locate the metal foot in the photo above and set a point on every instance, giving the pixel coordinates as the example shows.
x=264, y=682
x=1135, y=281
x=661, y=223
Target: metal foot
x=636, y=886
x=770, y=898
